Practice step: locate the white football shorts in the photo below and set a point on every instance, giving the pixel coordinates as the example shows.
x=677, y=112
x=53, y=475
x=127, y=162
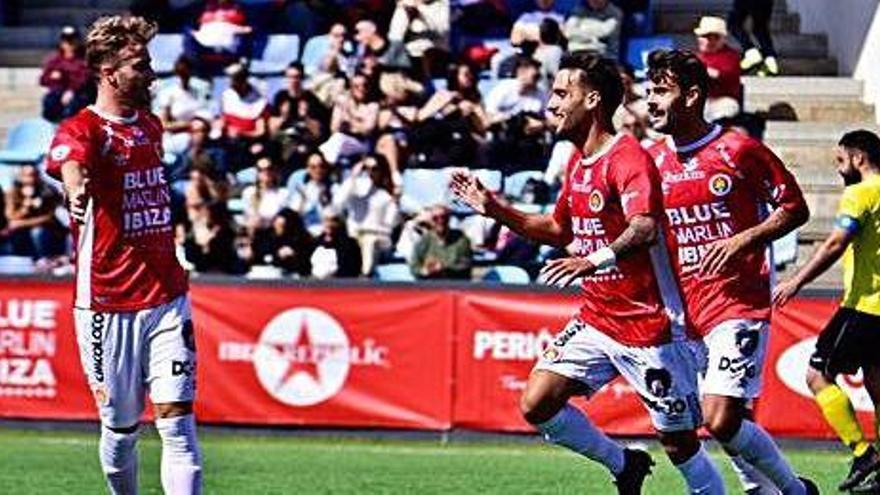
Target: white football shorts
x=664, y=376
x=732, y=358
x=126, y=355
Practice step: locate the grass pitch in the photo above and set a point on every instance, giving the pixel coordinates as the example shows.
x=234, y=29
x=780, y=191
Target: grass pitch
x=64, y=462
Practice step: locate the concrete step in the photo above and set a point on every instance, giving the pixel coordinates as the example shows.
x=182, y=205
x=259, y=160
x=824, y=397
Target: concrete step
x=95, y=4
x=810, y=109
x=21, y=57
x=811, y=133
x=29, y=37
x=804, y=154
x=807, y=66
x=826, y=99
x=60, y=16
x=825, y=87
x=684, y=22
x=813, y=45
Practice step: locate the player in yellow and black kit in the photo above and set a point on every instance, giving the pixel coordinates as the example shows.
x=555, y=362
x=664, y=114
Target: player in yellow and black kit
x=851, y=340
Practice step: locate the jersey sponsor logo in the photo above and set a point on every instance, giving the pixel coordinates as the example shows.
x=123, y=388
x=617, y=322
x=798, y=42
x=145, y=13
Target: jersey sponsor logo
x=720, y=184
x=60, y=152
x=792, y=367
x=304, y=356
x=596, y=202
x=101, y=395
x=691, y=164
x=146, y=202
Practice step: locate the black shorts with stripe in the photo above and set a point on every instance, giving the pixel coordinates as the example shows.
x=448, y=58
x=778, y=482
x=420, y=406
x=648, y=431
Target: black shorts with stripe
x=848, y=342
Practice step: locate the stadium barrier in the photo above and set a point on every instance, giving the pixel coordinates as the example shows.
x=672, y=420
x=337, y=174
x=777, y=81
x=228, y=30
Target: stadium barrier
x=364, y=355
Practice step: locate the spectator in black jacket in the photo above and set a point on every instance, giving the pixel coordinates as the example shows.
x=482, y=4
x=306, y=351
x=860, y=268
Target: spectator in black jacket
x=287, y=245
x=337, y=254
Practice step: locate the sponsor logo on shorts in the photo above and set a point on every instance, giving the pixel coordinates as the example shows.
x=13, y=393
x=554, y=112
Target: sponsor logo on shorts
x=102, y=397
x=97, y=346
x=182, y=368
x=659, y=382
x=566, y=334
x=747, y=341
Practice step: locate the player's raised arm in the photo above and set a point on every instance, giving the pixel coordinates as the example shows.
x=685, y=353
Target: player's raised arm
x=543, y=228
x=75, y=180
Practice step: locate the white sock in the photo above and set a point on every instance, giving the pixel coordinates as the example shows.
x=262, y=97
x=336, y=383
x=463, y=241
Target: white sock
x=119, y=460
x=701, y=475
x=181, y=460
x=749, y=477
x=756, y=447
x=573, y=430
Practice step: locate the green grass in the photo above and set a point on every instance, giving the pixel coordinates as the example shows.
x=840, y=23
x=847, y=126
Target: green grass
x=62, y=462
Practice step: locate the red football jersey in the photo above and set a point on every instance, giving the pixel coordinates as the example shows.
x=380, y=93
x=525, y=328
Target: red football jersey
x=714, y=189
x=125, y=258
x=637, y=302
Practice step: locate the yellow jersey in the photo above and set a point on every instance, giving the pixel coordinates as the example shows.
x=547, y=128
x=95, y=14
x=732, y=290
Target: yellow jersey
x=859, y=212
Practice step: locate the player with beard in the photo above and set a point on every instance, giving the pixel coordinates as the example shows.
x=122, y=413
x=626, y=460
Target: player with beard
x=716, y=185
x=850, y=340
x=131, y=309
x=631, y=320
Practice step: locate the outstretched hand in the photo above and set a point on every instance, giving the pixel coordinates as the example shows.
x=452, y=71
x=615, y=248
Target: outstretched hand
x=466, y=187
x=78, y=200
x=561, y=272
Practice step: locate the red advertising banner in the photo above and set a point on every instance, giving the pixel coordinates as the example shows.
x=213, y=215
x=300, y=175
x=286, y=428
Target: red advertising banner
x=786, y=407
x=360, y=357
x=40, y=372
x=499, y=337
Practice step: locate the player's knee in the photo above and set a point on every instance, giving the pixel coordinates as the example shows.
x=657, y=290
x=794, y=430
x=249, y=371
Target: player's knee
x=178, y=434
x=680, y=445
x=536, y=409
x=117, y=448
x=173, y=409
x=723, y=423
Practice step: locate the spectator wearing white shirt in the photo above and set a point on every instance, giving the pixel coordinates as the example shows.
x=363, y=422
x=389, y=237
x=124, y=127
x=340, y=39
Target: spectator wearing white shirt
x=516, y=114
x=522, y=94
x=315, y=197
x=595, y=26
x=264, y=199
x=422, y=26
x=371, y=207
x=528, y=25
x=177, y=102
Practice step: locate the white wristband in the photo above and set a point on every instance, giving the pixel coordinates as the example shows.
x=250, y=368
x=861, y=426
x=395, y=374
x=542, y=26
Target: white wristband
x=602, y=258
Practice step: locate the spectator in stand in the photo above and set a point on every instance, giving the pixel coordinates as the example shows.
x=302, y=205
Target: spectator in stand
x=551, y=45
x=5, y=244
x=722, y=65
x=202, y=152
x=754, y=54
x=315, y=197
x=452, y=123
x=299, y=121
x=595, y=26
x=177, y=102
x=210, y=245
x=422, y=27
x=244, y=116
x=287, y=245
x=221, y=37
x=204, y=189
x=336, y=254
x=516, y=114
x=66, y=77
x=336, y=53
x=442, y=252
x=397, y=116
x=31, y=225
x=371, y=207
x=389, y=54
x=353, y=122
x=528, y=26
x=632, y=114
x=263, y=200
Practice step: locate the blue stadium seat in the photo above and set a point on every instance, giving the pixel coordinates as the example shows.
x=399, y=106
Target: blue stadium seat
x=485, y=86
x=394, y=272
x=315, y=48
x=218, y=86
x=281, y=50
x=246, y=175
x=489, y=177
x=566, y=7
x=164, y=50
x=274, y=84
x=16, y=265
x=785, y=249
x=28, y=141
x=507, y=274
x=638, y=49
x=513, y=184
x=423, y=187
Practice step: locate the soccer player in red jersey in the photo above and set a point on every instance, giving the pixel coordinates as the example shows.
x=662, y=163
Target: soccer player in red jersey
x=631, y=321
x=131, y=310
x=717, y=184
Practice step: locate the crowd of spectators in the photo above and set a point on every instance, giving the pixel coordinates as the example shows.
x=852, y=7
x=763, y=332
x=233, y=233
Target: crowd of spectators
x=308, y=181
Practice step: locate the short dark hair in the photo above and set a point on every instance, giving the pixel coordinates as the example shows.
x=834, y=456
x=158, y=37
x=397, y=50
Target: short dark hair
x=865, y=141
x=296, y=64
x=600, y=74
x=526, y=61
x=683, y=66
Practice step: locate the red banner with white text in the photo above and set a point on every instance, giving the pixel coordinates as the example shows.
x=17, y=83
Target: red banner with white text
x=374, y=356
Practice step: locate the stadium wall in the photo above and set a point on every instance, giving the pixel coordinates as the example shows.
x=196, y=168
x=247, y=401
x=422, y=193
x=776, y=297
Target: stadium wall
x=363, y=355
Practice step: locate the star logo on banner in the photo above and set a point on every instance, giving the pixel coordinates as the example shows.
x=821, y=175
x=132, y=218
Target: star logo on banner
x=299, y=356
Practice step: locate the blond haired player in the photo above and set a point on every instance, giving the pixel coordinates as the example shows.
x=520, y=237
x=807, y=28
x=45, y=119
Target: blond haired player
x=131, y=308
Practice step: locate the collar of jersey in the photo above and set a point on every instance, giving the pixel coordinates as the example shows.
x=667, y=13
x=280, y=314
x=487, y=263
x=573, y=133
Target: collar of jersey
x=699, y=143
x=588, y=161
x=114, y=118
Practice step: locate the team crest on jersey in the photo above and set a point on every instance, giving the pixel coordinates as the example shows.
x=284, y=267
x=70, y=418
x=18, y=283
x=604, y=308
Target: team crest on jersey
x=720, y=184
x=60, y=152
x=597, y=202
x=102, y=397
x=551, y=353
